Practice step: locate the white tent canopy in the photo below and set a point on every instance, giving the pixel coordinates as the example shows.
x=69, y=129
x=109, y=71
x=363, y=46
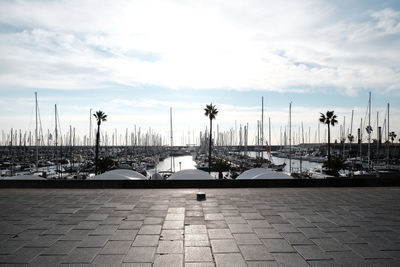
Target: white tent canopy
x=261, y=173
x=191, y=175
x=157, y=176
x=119, y=174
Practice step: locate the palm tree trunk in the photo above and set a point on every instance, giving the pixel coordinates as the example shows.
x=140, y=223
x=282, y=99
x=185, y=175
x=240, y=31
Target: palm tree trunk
x=329, y=147
x=96, y=160
x=209, y=148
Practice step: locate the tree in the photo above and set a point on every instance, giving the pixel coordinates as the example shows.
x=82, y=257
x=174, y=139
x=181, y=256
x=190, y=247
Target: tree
x=392, y=136
x=105, y=164
x=335, y=166
x=211, y=112
x=351, y=138
x=329, y=119
x=220, y=166
x=100, y=116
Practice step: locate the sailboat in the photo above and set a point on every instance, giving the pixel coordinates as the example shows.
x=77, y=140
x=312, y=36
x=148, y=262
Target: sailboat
x=162, y=175
x=367, y=169
x=271, y=164
x=35, y=166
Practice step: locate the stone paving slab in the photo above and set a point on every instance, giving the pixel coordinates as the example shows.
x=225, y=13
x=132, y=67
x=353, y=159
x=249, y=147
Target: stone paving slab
x=169, y=227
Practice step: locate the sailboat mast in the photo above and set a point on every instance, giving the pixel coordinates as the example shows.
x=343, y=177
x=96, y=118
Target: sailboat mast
x=258, y=138
x=36, y=132
x=351, y=131
x=388, y=129
x=351, y=125
x=170, y=118
x=262, y=125
x=55, y=122
x=55, y=135
x=377, y=138
x=369, y=130
x=290, y=137
x=361, y=126
x=172, y=140
x=344, y=134
x=269, y=131
x=12, y=154
x=388, y=133
x=70, y=148
x=90, y=128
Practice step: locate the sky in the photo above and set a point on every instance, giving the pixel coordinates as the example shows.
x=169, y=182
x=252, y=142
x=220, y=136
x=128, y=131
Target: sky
x=136, y=59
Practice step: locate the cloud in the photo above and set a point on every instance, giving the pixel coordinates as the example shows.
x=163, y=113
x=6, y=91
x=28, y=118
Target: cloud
x=388, y=20
x=232, y=45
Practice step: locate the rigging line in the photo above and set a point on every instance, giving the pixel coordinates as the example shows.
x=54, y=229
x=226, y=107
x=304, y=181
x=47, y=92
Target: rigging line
x=31, y=117
x=59, y=126
x=41, y=137
x=365, y=118
x=384, y=125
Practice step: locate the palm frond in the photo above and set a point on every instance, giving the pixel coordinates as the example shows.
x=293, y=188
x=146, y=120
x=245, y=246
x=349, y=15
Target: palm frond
x=334, y=120
x=322, y=118
x=100, y=116
x=211, y=111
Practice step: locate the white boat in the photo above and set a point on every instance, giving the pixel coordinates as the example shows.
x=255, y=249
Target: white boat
x=319, y=174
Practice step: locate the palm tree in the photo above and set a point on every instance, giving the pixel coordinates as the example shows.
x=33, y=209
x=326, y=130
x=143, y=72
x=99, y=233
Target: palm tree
x=329, y=119
x=392, y=136
x=220, y=166
x=211, y=112
x=351, y=138
x=100, y=116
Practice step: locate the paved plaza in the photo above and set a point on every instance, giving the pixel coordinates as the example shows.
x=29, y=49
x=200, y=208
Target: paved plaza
x=169, y=227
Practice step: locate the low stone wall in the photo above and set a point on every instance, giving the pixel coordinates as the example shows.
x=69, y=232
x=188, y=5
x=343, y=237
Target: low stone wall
x=393, y=180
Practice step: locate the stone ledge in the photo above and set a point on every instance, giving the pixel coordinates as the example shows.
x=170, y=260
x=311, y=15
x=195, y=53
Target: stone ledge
x=393, y=180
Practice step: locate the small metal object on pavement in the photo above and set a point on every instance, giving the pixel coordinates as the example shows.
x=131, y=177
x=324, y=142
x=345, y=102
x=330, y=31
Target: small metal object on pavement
x=201, y=196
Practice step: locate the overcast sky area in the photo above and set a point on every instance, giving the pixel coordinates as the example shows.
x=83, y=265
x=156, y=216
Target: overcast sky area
x=136, y=59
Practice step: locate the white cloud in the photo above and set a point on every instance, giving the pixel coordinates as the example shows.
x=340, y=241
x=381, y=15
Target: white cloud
x=388, y=20
x=90, y=44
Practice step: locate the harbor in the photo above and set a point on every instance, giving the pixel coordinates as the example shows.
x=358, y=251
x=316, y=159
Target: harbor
x=199, y=133
x=223, y=154
x=78, y=162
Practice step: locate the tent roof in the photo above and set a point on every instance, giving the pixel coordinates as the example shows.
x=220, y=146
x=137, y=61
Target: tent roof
x=119, y=174
x=193, y=174
x=157, y=176
x=261, y=173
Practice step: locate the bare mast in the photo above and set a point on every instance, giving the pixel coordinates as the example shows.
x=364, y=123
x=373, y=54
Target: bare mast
x=269, y=132
x=262, y=125
x=172, y=140
x=351, y=131
x=36, y=132
x=377, y=138
x=90, y=128
x=290, y=137
x=388, y=136
x=56, y=135
x=369, y=130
